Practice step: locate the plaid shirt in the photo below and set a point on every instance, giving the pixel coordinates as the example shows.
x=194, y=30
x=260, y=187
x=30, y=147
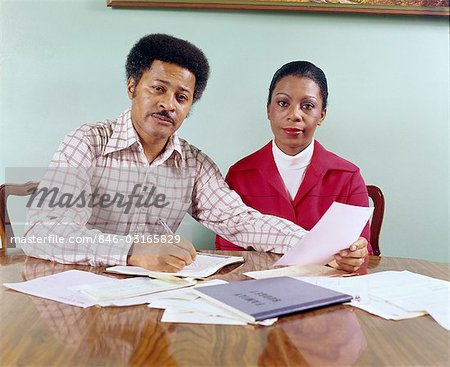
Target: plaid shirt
x=107, y=158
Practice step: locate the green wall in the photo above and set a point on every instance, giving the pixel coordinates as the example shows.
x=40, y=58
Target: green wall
x=62, y=64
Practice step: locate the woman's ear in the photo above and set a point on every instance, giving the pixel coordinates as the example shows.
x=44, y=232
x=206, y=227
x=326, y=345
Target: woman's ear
x=322, y=116
x=268, y=111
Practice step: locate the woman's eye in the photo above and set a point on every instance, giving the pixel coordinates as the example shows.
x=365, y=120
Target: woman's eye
x=282, y=103
x=308, y=106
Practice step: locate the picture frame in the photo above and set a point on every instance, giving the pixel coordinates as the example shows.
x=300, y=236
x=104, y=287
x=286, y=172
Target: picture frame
x=395, y=7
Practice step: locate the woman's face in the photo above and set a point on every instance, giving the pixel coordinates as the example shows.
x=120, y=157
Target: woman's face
x=294, y=113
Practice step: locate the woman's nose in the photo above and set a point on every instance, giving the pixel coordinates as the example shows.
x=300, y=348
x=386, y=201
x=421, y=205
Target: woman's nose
x=295, y=114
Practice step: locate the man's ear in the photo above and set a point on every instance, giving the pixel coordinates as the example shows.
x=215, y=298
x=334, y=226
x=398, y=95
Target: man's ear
x=322, y=116
x=131, y=87
x=268, y=111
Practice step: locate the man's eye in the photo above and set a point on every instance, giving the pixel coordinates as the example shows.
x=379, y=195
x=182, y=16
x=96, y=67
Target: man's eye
x=308, y=106
x=158, y=88
x=182, y=98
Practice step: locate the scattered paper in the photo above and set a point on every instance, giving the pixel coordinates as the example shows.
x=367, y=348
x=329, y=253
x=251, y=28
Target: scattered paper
x=132, y=287
x=297, y=271
x=181, y=294
x=338, y=228
x=394, y=295
x=56, y=286
x=195, y=310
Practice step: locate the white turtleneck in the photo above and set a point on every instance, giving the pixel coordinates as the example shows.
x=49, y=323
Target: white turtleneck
x=292, y=168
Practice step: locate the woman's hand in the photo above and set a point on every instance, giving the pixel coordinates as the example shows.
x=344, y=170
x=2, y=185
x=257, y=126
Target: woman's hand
x=351, y=259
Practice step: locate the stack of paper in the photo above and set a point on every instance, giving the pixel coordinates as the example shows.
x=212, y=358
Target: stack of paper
x=394, y=295
x=85, y=289
x=193, y=309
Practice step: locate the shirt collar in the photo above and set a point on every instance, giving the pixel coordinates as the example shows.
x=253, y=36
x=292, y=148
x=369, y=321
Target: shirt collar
x=124, y=136
x=173, y=148
x=299, y=160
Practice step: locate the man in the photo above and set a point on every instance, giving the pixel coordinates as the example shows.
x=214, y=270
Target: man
x=112, y=186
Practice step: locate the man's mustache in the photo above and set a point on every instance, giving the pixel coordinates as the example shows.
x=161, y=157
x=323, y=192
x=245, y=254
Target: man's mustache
x=164, y=115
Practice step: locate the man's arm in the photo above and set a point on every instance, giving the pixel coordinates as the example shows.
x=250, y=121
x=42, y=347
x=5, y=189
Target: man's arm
x=58, y=232
x=222, y=210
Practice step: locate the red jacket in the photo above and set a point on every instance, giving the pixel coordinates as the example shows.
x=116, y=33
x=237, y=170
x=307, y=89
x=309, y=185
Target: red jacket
x=328, y=178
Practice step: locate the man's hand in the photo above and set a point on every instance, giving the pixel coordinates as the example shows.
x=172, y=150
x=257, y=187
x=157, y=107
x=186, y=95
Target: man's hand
x=169, y=257
x=352, y=258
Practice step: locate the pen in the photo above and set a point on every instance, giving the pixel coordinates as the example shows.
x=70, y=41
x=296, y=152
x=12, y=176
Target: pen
x=214, y=255
x=165, y=226
x=169, y=232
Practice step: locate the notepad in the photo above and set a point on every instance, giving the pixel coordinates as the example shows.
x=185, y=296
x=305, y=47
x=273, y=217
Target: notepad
x=203, y=266
x=255, y=300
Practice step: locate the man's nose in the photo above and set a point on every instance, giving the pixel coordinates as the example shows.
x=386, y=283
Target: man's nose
x=167, y=102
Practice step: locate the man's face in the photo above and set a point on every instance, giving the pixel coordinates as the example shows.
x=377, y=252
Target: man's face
x=161, y=100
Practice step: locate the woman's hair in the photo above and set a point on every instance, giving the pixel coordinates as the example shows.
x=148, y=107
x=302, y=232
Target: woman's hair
x=169, y=49
x=301, y=69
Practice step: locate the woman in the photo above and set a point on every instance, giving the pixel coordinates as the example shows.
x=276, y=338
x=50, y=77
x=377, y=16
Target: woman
x=293, y=176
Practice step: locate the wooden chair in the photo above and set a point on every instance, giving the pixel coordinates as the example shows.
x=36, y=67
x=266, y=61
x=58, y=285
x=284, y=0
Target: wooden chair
x=377, y=197
x=6, y=190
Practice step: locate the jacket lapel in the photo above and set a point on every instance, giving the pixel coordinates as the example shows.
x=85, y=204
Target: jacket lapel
x=314, y=173
x=269, y=170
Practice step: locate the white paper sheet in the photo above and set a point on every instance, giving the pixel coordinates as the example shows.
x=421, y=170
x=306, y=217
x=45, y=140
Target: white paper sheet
x=297, y=271
x=181, y=294
x=56, y=286
x=338, y=228
x=394, y=295
x=132, y=287
x=177, y=316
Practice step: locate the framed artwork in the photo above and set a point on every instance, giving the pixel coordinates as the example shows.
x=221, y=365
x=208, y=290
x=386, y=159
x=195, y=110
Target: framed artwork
x=405, y=7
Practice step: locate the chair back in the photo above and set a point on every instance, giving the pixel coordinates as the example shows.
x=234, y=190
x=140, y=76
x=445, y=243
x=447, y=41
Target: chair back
x=377, y=197
x=6, y=190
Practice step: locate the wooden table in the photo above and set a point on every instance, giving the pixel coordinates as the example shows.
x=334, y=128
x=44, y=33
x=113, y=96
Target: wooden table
x=38, y=332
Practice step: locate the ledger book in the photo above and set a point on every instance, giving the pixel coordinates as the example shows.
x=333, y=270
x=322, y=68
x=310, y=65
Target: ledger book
x=261, y=299
x=203, y=266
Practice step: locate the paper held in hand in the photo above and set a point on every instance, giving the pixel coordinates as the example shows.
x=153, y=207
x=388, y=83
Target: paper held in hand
x=338, y=228
x=203, y=266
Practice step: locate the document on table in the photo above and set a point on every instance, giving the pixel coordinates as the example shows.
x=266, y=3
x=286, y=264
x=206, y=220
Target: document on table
x=298, y=271
x=132, y=287
x=203, y=266
x=394, y=295
x=56, y=287
x=85, y=289
x=180, y=294
x=338, y=228
x=195, y=310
